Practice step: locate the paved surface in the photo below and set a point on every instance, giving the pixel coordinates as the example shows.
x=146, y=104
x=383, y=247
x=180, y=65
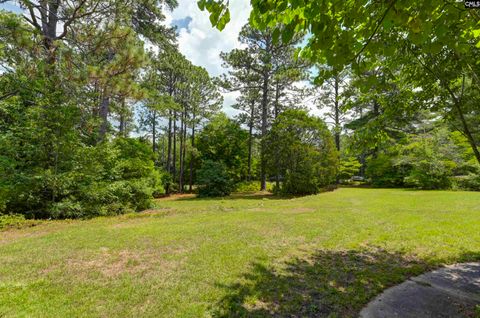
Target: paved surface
x=452, y=292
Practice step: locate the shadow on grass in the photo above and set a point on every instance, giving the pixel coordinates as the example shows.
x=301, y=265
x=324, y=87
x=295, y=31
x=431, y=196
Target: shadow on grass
x=260, y=195
x=241, y=196
x=326, y=284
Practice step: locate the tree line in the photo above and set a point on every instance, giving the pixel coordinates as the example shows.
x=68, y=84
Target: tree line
x=100, y=112
x=85, y=87
x=398, y=81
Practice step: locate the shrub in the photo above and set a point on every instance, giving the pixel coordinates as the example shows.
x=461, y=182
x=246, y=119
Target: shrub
x=300, y=151
x=247, y=186
x=382, y=172
x=252, y=186
x=347, y=168
x=108, y=179
x=432, y=158
x=468, y=182
x=214, y=180
x=430, y=174
x=14, y=221
x=224, y=140
x=304, y=179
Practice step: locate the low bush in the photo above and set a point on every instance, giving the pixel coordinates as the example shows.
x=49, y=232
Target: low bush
x=382, y=172
x=247, y=186
x=300, y=150
x=8, y=221
x=252, y=186
x=430, y=175
x=108, y=179
x=347, y=168
x=214, y=180
x=468, y=182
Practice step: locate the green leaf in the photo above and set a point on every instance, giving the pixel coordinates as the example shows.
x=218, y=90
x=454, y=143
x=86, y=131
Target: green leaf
x=288, y=32
x=224, y=19
x=214, y=17
x=276, y=35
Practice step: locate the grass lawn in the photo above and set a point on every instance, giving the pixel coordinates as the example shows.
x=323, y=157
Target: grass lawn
x=244, y=256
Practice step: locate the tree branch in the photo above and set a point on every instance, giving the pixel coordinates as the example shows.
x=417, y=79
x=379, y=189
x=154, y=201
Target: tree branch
x=379, y=23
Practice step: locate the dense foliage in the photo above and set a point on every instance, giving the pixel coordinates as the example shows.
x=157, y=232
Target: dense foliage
x=384, y=69
x=102, y=180
x=395, y=83
x=438, y=159
x=68, y=102
x=214, y=179
x=301, y=152
x=223, y=140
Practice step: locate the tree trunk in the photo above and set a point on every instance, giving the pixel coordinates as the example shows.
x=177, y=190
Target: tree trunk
x=103, y=114
x=169, y=149
x=376, y=112
x=163, y=159
x=154, y=134
x=51, y=49
x=190, y=186
x=250, y=139
x=277, y=98
x=180, y=177
x=168, y=166
x=263, y=166
x=184, y=150
x=468, y=133
x=174, y=167
x=48, y=14
x=337, y=116
x=122, y=126
x=461, y=116
x=105, y=107
x=276, y=111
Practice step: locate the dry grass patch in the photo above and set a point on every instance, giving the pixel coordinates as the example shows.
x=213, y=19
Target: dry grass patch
x=113, y=264
x=302, y=210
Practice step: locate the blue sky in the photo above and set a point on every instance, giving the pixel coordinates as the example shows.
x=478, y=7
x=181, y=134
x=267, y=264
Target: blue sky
x=183, y=23
x=10, y=5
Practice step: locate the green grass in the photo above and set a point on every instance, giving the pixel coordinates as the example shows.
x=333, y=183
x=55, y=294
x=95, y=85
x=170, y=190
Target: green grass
x=245, y=256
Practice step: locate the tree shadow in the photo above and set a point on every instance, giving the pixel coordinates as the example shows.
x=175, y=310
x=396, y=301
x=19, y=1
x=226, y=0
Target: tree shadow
x=260, y=195
x=242, y=196
x=325, y=284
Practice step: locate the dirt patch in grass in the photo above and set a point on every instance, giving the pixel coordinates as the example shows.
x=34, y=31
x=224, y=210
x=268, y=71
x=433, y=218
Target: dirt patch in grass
x=257, y=209
x=157, y=211
x=174, y=197
x=112, y=264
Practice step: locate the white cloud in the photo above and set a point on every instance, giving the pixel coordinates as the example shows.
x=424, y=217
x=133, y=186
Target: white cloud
x=202, y=44
x=229, y=99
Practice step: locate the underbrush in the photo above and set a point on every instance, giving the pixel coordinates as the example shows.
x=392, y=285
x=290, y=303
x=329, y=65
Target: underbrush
x=252, y=186
x=15, y=221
